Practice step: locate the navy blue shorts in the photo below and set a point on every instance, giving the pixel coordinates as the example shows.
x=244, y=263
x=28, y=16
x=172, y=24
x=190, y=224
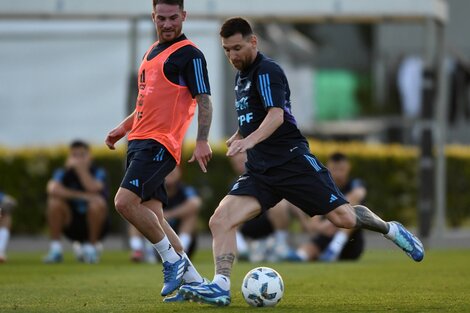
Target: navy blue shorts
x=352, y=250
x=257, y=228
x=303, y=181
x=148, y=163
x=78, y=229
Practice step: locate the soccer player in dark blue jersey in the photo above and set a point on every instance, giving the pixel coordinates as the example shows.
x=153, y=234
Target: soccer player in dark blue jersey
x=279, y=165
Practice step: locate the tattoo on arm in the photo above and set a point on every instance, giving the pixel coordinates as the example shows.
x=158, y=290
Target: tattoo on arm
x=224, y=263
x=365, y=218
x=204, y=116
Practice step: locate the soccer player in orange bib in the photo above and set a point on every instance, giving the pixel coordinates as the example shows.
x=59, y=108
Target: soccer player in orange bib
x=172, y=81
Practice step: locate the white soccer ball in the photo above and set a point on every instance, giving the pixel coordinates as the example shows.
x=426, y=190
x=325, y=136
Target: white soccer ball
x=262, y=286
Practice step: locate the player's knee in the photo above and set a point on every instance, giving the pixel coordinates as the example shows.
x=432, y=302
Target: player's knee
x=97, y=204
x=122, y=205
x=218, y=220
x=343, y=217
x=55, y=204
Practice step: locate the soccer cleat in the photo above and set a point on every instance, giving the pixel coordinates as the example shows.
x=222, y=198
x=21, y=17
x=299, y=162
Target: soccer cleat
x=408, y=242
x=206, y=293
x=53, y=257
x=90, y=254
x=173, y=275
x=293, y=256
x=137, y=256
x=328, y=256
x=177, y=297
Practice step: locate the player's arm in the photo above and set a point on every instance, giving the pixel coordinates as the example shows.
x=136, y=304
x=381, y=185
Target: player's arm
x=89, y=182
x=271, y=122
x=197, y=79
x=119, y=131
x=357, y=194
x=203, y=152
x=236, y=136
x=56, y=189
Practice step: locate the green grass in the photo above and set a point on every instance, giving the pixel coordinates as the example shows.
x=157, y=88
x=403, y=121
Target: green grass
x=383, y=281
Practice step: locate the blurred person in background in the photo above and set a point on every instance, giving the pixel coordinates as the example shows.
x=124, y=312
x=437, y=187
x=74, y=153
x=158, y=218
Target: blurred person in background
x=173, y=79
x=329, y=242
x=264, y=238
x=76, y=205
x=7, y=204
x=181, y=213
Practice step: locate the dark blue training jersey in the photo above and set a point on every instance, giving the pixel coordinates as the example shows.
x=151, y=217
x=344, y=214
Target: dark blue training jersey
x=185, y=67
x=257, y=89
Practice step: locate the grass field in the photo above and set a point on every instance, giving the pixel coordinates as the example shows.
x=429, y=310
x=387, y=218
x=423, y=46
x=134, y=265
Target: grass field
x=383, y=281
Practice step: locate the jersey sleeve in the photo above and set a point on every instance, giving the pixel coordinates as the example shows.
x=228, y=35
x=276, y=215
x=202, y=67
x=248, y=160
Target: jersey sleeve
x=100, y=175
x=58, y=175
x=190, y=192
x=357, y=183
x=195, y=73
x=270, y=82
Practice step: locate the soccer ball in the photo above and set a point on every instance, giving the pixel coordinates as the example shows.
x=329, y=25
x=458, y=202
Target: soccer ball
x=262, y=286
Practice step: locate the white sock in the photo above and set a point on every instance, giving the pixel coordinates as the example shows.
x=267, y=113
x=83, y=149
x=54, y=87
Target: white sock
x=281, y=236
x=4, y=236
x=56, y=246
x=337, y=243
x=222, y=281
x=392, y=231
x=186, y=240
x=166, y=251
x=136, y=243
x=242, y=246
x=191, y=275
x=302, y=255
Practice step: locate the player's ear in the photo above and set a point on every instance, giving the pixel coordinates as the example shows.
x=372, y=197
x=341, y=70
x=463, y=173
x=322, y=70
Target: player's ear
x=254, y=41
x=184, y=15
x=153, y=16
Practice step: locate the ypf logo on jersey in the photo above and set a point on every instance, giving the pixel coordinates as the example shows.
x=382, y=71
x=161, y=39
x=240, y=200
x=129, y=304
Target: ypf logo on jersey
x=245, y=118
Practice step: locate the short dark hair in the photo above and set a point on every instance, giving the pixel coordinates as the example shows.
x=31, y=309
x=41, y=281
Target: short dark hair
x=236, y=25
x=338, y=157
x=78, y=143
x=170, y=2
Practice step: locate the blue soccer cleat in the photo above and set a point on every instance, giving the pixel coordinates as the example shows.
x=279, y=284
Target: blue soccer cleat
x=328, y=256
x=173, y=275
x=408, y=242
x=175, y=298
x=206, y=293
x=178, y=297
x=53, y=257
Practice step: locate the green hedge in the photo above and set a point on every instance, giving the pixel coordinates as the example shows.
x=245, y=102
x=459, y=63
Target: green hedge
x=390, y=172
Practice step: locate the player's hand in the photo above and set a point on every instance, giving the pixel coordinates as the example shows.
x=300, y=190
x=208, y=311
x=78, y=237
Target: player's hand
x=114, y=136
x=239, y=146
x=234, y=137
x=202, y=153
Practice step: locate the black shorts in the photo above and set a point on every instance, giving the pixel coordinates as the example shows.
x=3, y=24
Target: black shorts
x=352, y=250
x=148, y=163
x=257, y=228
x=77, y=230
x=303, y=181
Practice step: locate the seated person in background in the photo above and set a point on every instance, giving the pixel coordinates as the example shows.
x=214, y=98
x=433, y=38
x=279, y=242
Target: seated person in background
x=181, y=214
x=331, y=243
x=76, y=205
x=264, y=238
x=7, y=203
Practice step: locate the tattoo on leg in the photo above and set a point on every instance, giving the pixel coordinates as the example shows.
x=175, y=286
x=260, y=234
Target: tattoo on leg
x=224, y=263
x=365, y=218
